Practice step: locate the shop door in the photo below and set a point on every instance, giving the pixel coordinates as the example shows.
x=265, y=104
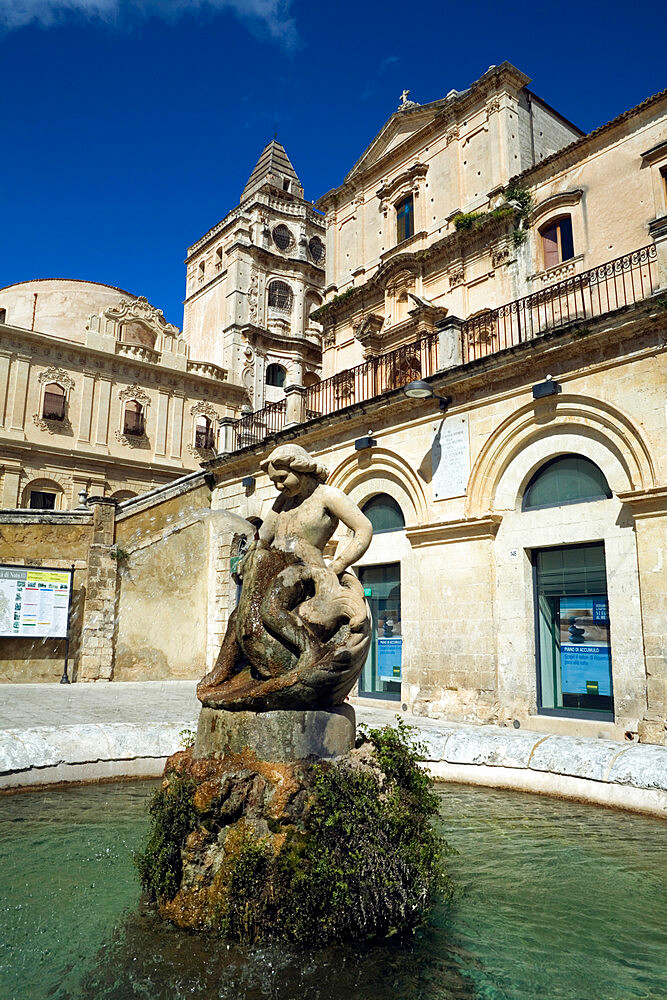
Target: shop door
x=572, y=625
x=381, y=676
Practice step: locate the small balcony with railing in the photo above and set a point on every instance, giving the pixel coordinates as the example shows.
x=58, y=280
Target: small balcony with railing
x=576, y=300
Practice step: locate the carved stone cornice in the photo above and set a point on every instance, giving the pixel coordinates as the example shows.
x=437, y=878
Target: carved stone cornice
x=140, y=310
x=204, y=409
x=463, y=530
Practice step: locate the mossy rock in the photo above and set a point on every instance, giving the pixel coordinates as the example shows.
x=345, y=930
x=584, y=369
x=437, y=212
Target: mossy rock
x=308, y=852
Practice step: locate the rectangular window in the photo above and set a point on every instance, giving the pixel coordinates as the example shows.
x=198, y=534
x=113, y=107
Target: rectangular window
x=572, y=632
x=42, y=501
x=405, y=225
x=54, y=406
x=557, y=242
x=381, y=676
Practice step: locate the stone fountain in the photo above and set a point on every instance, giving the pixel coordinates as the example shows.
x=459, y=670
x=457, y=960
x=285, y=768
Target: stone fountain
x=274, y=824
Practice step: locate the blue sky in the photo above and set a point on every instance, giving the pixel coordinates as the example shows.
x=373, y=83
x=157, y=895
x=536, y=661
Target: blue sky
x=129, y=127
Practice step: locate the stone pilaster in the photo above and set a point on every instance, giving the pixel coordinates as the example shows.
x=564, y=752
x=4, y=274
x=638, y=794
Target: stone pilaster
x=658, y=230
x=295, y=412
x=450, y=353
x=226, y=440
x=97, y=634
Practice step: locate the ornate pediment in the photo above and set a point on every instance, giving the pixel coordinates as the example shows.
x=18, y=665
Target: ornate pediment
x=136, y=393
x=403, y=184
x=140, y=311
x=401, y=126
x=58, y=375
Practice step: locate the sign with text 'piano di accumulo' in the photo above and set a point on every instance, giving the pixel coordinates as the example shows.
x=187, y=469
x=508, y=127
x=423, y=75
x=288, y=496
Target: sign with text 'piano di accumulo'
x=34, y=601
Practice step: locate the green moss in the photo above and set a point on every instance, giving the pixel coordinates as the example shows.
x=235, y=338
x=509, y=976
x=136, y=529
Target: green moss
x=319, y=314
x=173, y=817
x=361, y=863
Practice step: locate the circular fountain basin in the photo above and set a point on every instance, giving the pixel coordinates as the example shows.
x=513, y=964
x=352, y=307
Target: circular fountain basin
x=555, y=899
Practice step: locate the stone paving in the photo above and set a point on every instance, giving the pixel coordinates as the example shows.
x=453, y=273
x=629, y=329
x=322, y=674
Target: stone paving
x=52, y=732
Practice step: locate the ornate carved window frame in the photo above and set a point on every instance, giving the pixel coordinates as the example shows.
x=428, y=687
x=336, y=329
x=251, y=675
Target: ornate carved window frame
x=62, y=378
x=135, y=394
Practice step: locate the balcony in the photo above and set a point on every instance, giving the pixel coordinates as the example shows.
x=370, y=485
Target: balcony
x=579, y=298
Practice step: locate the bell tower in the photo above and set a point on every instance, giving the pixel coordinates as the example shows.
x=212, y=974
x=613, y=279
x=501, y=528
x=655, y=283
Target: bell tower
x=254, y=279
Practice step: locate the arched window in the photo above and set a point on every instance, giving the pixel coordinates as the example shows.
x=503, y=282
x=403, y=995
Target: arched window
x=310, y=379
x=384, y=513
x=133, y=419
x=275, y=375
x=204, y=433
x=3, y=315
x=557, y=242
x=53, y=406
x=564, y=480
x=280, y=295
x=42, y=494
x=121, y=495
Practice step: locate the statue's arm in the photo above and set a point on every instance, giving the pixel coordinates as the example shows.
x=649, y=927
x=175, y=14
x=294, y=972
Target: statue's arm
x=267, y=531
x=347, y=511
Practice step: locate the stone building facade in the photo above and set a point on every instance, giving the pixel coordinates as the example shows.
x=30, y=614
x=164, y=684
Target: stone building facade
x=99, y=394
x=492, y=397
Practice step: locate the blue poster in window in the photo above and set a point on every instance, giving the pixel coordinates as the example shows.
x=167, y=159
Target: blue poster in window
x=585, y=655
x=585, y=669
x=389, y=658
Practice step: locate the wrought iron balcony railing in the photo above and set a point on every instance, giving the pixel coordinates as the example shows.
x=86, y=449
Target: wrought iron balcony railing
x=578, y=298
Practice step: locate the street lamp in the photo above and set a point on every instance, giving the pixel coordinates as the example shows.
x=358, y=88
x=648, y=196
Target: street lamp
x=422, y=390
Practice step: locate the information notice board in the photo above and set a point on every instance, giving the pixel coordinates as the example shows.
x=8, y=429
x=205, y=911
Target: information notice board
x=34, y=601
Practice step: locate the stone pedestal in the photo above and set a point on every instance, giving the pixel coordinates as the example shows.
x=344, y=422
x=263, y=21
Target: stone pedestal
x=281, y=736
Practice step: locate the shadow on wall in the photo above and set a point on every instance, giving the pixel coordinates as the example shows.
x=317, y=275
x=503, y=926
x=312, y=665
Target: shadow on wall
x=161, y=612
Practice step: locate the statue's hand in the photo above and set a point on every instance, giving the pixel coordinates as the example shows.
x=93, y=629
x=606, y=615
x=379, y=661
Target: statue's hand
x=338, y=567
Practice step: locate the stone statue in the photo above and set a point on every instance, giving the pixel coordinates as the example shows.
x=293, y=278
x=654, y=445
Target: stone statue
x=301, y=632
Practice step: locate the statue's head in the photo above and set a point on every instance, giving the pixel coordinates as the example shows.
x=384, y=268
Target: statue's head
x=289, y=465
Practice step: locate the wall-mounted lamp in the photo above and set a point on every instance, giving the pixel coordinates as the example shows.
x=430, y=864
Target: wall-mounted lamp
x=422, y=390
x=546, y=388
x=366, y=442
x=248, y=482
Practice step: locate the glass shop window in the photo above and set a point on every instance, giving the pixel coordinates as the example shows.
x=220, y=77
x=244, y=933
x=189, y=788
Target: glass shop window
x=573, y=638
x=405, y=219
x=382, y=672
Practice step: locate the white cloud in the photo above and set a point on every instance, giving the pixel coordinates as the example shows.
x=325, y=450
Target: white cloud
x=268, y=17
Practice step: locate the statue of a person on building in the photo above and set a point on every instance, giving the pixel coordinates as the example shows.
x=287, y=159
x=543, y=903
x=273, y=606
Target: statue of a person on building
x=300, y=634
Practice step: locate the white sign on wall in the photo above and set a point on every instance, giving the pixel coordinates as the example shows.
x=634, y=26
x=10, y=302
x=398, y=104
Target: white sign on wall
x=34, y=601
x=450, y=458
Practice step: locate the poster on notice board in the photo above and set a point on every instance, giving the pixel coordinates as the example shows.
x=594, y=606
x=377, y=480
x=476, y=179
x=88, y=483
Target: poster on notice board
x=34, y=601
